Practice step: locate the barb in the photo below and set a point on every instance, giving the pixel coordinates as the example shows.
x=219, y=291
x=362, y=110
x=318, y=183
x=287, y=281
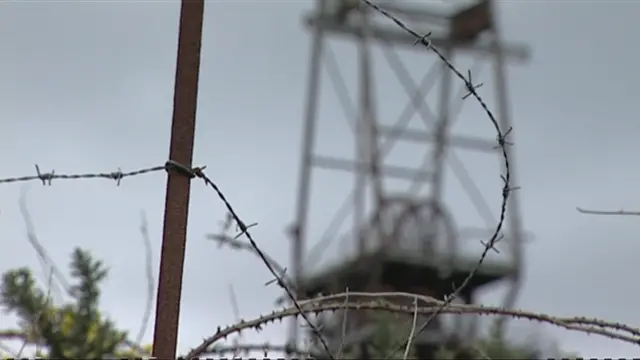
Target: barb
x=502, y=143
x=429, y=305
x=423, y=39
x=471, y=88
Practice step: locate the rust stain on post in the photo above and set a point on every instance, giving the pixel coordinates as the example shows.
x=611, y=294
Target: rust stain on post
x=178, y=184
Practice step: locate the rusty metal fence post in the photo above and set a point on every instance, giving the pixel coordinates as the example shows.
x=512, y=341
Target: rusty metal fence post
x=174, y=235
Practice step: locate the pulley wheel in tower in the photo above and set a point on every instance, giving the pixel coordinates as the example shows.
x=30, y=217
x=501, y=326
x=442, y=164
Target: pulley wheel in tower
x=420, y=228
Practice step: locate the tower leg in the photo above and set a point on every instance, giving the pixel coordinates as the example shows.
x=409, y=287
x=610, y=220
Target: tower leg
x=513, y=205
x=308, y=146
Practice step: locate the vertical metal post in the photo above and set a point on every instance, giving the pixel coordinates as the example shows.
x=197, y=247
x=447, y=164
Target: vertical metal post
x=442, y=129
x=368, y=120
x=513, y=205
x=174, y=234
x=360, y=143
x=439, y=156
x=308, y=146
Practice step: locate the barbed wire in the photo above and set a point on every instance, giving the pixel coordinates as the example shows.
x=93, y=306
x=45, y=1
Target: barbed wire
x=196, y=172
x=380, y=302
x=502, y=143
x=47, y=177
x=430, y=307
x=244, y=229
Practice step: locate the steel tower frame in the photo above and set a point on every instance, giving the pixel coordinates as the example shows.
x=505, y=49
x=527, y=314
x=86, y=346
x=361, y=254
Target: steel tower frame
x=368, y=168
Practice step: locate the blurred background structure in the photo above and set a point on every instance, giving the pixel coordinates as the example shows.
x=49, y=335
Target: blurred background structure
x=403, y=235
x=75, y=79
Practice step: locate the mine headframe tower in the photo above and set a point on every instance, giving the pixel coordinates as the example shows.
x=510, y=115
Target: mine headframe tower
x=410, y=242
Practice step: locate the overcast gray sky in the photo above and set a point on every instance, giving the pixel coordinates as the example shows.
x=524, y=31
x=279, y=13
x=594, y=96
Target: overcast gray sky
x=87, y=87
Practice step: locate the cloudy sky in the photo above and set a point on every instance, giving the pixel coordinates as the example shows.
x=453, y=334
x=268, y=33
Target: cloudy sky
x=87, y=87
